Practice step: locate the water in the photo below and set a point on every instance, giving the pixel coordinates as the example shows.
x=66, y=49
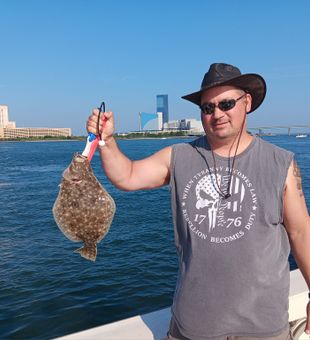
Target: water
x=47, y=291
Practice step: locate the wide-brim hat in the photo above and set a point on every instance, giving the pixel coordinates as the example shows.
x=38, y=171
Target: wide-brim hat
x=220, y=74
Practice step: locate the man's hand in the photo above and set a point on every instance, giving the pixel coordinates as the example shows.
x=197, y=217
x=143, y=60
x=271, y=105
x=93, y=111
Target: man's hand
x=106, y=124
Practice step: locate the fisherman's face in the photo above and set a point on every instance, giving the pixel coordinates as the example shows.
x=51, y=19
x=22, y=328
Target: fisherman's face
x=219, y=124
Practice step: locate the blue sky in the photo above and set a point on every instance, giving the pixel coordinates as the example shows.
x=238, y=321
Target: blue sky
x=61, y=58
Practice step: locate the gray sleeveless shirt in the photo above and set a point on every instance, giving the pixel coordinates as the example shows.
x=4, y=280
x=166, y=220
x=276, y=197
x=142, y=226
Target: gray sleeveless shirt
x=233, y=253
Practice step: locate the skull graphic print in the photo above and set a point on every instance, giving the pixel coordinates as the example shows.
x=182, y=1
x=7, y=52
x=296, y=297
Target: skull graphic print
x=212, y=217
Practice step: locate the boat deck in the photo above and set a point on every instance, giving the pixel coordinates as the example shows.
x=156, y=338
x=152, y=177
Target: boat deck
x=154, y=326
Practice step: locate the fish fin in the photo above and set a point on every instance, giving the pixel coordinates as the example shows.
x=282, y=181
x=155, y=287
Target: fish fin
x=89, y=252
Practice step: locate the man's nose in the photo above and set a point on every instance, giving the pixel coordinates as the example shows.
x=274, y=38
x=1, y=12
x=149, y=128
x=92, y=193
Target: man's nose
x=217, y=114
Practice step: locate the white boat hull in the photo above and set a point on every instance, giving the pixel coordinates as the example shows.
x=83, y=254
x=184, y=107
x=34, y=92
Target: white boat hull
x=154, y=326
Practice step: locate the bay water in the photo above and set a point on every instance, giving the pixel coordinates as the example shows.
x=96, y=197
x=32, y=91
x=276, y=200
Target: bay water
x=46, y=290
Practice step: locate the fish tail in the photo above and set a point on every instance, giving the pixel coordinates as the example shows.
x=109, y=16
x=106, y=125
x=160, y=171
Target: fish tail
x=89, y=252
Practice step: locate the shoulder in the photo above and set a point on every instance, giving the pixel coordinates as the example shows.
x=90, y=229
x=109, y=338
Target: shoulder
x=270, y=146
x=189, y=147
x=163, y=155
x=198, y=142
x=274, y=151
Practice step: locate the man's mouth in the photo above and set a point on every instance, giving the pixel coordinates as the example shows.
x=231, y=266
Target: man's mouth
x=219, y=125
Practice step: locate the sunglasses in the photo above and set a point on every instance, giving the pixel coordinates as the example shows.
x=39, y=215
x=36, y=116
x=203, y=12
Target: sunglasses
x=224, y=105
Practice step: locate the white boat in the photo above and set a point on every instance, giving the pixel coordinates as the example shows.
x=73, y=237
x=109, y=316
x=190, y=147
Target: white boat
x=154, y=326
x=301, y=135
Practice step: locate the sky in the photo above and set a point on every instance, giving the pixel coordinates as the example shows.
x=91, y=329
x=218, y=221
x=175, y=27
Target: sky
x=60, y=58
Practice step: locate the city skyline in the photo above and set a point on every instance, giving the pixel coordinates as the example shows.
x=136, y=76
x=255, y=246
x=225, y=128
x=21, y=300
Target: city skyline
x=182, y=124
x=59, y=60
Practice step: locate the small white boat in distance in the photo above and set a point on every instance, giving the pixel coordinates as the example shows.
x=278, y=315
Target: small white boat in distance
x=301, y=135
x=154, y=326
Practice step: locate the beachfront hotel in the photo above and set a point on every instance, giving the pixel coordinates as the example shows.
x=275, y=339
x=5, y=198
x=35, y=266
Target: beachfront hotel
x=9, y=130
x=162, y=122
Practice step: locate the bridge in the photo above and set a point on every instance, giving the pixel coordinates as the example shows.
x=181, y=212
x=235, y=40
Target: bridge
x=261, y=129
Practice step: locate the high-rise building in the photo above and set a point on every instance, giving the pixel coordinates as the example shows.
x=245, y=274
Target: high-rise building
x=162, y=106
x=191, y=124
x=4, y=116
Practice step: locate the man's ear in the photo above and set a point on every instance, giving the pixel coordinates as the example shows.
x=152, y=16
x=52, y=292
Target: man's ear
x=248, y=102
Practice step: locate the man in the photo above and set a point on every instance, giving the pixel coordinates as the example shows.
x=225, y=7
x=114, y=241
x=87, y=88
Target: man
x=237, y=203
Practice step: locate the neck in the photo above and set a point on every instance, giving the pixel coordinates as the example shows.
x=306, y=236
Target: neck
x=227, y=146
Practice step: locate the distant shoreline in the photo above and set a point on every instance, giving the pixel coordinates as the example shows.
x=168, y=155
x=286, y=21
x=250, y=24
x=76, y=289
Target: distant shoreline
x=83, y=139
x=80, y=140
x=132, y=136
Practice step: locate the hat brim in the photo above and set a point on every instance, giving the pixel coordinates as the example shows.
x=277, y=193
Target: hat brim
x=252, y=83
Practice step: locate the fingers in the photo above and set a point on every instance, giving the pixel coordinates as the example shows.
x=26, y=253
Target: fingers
x=95, y=113
x=106, y=118
x=108, y=115
x=91, y=124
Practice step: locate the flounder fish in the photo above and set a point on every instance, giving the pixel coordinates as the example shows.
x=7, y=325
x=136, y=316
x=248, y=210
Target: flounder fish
x=83, y=209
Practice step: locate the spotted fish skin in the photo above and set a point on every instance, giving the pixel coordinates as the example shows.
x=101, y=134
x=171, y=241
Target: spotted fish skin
x=83, y=209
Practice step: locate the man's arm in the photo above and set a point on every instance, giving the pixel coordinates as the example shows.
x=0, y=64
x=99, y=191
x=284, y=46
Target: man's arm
x=297, y=224
x=148, y=173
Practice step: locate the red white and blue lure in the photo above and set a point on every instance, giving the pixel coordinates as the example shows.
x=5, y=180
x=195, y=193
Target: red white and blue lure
x=92, y=139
